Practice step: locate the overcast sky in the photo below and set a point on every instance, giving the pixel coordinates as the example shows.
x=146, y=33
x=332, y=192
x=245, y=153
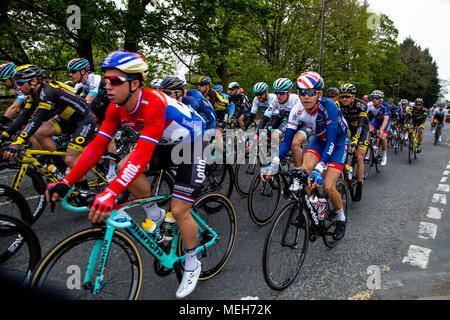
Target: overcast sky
x=427, y=22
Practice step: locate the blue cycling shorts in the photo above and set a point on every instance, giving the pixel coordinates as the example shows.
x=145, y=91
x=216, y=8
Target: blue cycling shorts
x=339, y=155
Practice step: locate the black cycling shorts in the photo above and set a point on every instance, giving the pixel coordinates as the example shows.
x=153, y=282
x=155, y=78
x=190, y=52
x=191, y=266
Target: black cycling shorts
x=190, y=174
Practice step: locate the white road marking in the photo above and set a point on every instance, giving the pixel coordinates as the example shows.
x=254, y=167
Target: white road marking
x=427, y=230
x=417, y=256
x=437, y=197
x=443, y=187
x=434, y=213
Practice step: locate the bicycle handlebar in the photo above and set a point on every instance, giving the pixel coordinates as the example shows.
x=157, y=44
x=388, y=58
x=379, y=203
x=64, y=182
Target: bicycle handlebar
x=110, y=221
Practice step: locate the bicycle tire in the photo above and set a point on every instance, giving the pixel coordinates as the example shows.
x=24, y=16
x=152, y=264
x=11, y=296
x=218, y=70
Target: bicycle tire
x=20, y=249
x=13, y=203
x=241, y=178
x=218, y=179
x=289, y=222
x=60, y=273
x=33, y=191
x=211, y=207
x=261, y=213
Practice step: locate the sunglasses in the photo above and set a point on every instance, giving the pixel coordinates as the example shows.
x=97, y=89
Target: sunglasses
x=309, y=92
x=280, y=93
x=344, y=97
x=116, y=80
x=21, y=82
x=376, y=98
x=260, y=94
x=73, y=71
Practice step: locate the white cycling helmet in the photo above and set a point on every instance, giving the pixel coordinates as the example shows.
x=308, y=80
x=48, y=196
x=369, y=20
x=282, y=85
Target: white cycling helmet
x=156, y=83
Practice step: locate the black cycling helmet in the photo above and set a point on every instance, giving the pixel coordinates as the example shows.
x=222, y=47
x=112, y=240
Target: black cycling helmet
x=172, y=83
x=27, y=72
x=204, y=80
x=331, y=92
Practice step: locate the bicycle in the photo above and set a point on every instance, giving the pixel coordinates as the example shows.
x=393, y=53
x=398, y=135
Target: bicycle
x=413, y=145
x=373, y=156
x=30, y=182
x=99, y=253
x=436, y=133
x=20, y=249
x=286, y=244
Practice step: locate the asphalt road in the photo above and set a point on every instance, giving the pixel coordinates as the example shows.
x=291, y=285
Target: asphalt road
x=375, y=260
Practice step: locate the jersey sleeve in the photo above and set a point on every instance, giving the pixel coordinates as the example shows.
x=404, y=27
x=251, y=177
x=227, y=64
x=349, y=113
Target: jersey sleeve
x=332, y=130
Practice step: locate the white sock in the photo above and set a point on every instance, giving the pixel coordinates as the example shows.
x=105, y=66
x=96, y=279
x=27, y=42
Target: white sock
x=152, y=211
x=340, y=215
x=112, y=168
x=191, y=262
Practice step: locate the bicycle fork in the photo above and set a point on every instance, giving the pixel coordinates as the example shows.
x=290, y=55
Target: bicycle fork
x=99, y=252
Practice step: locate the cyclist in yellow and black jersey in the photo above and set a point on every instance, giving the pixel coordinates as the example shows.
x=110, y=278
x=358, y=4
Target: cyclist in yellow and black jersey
x=355, y=112
x=49, y=99
x=417, y=116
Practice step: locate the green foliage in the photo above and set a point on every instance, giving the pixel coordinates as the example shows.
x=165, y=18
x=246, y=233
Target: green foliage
x=229, y=40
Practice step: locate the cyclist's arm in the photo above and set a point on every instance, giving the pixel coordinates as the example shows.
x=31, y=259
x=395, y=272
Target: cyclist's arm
x=43, y=113
x=363, y=121
x=21, y=120
x=12, y=110
x=96, y=148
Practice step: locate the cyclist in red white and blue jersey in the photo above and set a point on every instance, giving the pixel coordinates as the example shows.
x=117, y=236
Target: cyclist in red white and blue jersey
x=164, y=123
x=328, y=148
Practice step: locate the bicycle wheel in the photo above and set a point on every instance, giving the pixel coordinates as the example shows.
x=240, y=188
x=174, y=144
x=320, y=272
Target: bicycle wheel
x=12, y=203
x=286, y=246
x=341, y=187
x=218, y=179
x=264, y=199
x=243, y=174
x=216, y=211
x=20, y=249
x=410, y=151
x=32, y=187
x=63, y=269
x=368, y=162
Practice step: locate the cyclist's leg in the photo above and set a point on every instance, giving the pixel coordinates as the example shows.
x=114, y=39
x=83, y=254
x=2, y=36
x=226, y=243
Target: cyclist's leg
x=79, y=139
x=45, y=132
x=296, y=147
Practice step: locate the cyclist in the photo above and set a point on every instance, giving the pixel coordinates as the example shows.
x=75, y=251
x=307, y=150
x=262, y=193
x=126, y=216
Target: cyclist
x=156, y=83
x=6, y=72
x=220, y=105
x=355, y=112
x=432, y=109
x=403, y=117
x=394, y=114
x=240, y=101
x=165, y=123
x=417, y=116
x=439, y=118
x=176, y=88
x=381, y=120
x=55, y=98
x=262, y=100
x=328, y=147
x=333, y=94
x=366, y=98
x=278, y=111
x=91, y=86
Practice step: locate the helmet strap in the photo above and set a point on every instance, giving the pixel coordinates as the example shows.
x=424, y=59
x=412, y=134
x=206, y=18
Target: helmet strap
x=130, y=93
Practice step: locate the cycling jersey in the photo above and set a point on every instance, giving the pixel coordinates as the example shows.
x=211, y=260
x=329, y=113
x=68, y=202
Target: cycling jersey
x=197, y=102
x=418, y=116
x=357, y=119
x=440, y=115
x=241, y=103
x=395, y=112
x=217, y=101
x=330, y=142
x=55, y=98
x=95, y=86
x=255, y=106
x=160, y=119
x=403, y=115
x=278, y=113
x=378, y=115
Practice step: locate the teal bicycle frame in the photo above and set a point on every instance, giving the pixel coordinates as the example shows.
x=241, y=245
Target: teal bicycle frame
x=119, y=219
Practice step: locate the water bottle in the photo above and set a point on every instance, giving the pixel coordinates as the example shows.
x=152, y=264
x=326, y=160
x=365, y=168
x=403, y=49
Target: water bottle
x=52, y=168
x=349, y=169
x=169, y=226
x=320, y=205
